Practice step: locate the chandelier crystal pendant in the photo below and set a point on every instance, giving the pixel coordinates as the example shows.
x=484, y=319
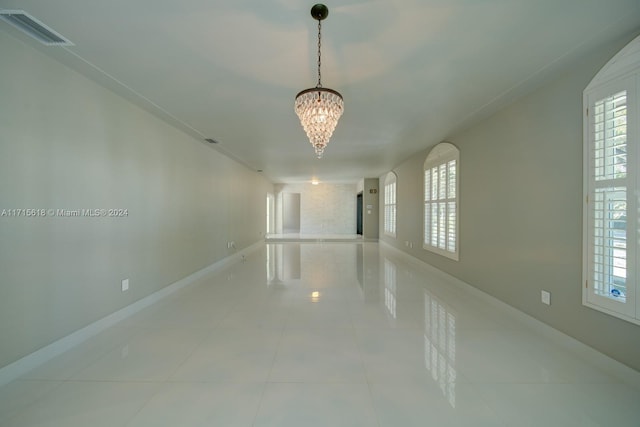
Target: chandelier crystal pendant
x=318, y=108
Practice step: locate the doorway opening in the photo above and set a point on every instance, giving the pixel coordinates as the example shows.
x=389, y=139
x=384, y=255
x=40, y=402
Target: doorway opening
x=270, y=214
x=359, y=214
x=291, y=213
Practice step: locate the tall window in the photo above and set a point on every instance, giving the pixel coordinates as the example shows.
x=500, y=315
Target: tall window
x=611, y=182
x=441, y=200
x=390, y=204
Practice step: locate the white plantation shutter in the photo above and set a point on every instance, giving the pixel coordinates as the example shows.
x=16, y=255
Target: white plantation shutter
x=390, y=204
x=609, y=206
x=440, y=200
x=392, y=208
x=611, y=203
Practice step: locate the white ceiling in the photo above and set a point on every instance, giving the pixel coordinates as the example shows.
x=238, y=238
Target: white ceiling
x=412, y=72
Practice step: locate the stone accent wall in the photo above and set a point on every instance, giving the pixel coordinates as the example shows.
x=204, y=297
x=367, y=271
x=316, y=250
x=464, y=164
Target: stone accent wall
x=324, y=208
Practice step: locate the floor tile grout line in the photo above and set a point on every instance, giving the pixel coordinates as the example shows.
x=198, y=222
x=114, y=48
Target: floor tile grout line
x=366, y=374
x=146, y=402
x=273, y=361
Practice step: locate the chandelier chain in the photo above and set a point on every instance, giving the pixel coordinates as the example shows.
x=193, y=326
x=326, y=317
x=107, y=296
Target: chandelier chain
x=319, y=54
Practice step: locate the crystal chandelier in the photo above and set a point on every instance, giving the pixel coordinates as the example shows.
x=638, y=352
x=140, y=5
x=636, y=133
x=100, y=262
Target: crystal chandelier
x=319, y=108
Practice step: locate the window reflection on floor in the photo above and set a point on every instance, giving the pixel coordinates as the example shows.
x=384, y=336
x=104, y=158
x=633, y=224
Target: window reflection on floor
x=283, y=263
x=440, y=345
x=390, y=287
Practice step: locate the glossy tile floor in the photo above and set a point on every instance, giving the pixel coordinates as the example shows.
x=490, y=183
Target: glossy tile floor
x=333, y=334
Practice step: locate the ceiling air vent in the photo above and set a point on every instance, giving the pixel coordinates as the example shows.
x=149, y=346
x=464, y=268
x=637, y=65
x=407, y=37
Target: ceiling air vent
x=31, y=26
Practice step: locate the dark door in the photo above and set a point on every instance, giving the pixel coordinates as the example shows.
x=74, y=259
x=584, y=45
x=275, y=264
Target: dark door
x=359, y=214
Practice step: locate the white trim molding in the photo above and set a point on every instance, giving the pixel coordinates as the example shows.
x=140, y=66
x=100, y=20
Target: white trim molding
x=27, y=363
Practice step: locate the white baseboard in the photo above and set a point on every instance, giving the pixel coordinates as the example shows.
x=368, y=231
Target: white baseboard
x=621, y=371
x=38, y=357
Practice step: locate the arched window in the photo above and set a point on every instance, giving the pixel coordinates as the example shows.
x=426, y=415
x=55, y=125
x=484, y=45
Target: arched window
x=611, y=139
x=390, y=204
x=441, y=200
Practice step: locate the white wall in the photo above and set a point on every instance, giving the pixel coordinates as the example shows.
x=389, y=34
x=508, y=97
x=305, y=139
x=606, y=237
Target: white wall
x=68, y=143
x=324, y=208
x=521, y=210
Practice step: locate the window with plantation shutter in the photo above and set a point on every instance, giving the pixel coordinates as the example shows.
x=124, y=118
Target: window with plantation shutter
x=390, y=204
x=612, y=183
x=441, y=200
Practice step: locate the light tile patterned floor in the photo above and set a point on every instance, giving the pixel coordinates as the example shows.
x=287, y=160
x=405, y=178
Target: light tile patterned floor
x=320, y=334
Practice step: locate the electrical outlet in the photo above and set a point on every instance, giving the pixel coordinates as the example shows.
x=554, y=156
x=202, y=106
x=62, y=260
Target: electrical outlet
x=546, y=297
x=125, y=285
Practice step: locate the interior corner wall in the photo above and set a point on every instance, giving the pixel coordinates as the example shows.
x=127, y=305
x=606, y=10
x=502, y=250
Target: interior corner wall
x=521, y=210
x=324, y=208
x=68, y=144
